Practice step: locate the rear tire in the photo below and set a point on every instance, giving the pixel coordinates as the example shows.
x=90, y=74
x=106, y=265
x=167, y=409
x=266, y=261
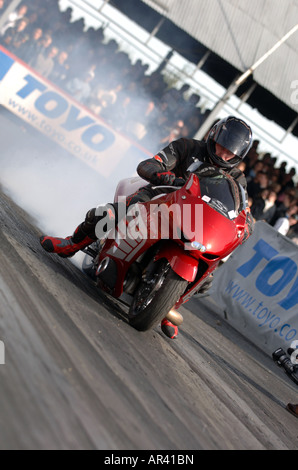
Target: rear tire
x=155, y=296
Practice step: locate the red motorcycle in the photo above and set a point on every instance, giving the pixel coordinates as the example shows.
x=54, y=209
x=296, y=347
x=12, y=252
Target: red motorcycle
x=160, y=255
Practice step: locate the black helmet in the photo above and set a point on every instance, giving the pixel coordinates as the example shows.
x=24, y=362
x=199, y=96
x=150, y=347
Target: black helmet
x=234, y=135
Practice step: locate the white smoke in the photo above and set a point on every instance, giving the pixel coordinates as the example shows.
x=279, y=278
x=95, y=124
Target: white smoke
x=54, y=187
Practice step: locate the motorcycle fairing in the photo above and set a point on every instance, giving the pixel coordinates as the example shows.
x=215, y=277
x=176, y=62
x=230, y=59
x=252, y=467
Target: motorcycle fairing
x=220, y=236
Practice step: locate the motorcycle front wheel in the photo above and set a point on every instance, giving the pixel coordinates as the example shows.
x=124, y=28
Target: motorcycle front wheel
x=158, y=292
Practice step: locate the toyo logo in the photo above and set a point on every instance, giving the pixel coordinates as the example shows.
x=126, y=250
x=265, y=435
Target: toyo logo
x=277, y=277
x=268, y=293
x=34, y=100
x=53, y=105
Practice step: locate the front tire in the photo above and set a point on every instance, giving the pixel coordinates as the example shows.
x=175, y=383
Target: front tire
x=157, y=293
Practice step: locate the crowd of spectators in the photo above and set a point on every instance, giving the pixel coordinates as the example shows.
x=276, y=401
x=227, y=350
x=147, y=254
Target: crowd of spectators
x=273, y=194
x=138, y=104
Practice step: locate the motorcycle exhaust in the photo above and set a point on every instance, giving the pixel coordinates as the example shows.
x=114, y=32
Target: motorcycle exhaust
x=102, y=266
x=107, y=272
x=175, y=317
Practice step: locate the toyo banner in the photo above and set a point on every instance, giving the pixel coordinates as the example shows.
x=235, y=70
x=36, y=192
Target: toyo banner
x=258, y=289
x=58, y=116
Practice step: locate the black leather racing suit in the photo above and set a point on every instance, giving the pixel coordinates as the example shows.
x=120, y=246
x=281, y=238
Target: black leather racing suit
x=177, y=157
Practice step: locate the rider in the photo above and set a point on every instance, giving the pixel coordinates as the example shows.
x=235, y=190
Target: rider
x=225, y=147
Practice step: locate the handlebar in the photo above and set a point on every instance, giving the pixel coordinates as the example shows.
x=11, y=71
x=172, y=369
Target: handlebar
x=167, y=187
x=178, y=184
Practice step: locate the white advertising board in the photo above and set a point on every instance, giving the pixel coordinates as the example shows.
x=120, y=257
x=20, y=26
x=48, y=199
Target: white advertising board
x=61, y=118
x=257, y=289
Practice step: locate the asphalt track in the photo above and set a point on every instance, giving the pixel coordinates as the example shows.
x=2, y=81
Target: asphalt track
x=77, y=376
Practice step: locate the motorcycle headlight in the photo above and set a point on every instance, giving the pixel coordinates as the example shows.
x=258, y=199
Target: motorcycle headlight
x=198, y=246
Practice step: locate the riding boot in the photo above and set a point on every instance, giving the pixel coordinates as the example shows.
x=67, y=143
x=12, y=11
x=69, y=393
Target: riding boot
x=69, y=246
x=84, y=235
x=169, y=329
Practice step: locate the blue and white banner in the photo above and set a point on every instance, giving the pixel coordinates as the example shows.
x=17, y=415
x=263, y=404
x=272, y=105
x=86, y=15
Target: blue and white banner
x=58, y=116
x=257, y=289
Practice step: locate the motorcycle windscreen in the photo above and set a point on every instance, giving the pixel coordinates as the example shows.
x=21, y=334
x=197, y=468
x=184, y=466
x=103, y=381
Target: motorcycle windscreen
x=217, y=192
x=215, y=226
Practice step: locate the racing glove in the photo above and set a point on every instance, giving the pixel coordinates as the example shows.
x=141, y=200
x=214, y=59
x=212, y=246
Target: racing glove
x=167, y=178
x=154, y=172
x=179, y=182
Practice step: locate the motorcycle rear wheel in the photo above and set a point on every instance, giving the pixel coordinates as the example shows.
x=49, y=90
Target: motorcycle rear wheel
x=156, y=295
